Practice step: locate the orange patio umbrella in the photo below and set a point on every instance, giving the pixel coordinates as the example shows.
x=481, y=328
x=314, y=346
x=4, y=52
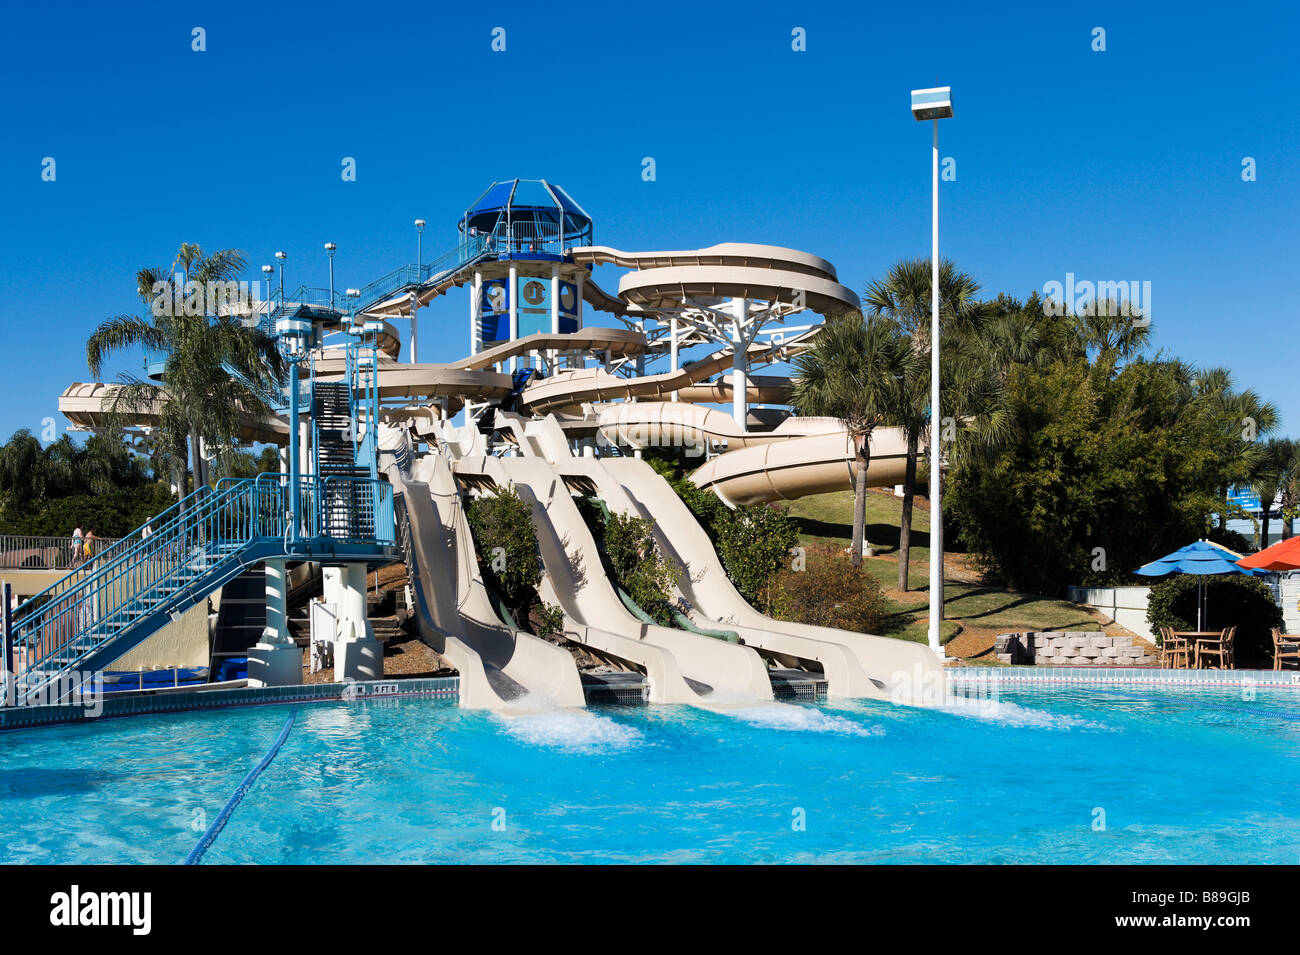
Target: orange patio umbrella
x=1284, y=555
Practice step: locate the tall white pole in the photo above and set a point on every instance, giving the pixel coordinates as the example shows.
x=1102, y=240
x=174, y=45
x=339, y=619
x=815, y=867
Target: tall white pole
x=672, y=325
x=936, y=512
x=739, y=365
x=415, y=328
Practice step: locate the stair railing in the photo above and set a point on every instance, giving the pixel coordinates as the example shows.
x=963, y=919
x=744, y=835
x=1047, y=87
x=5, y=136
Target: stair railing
x=57, y=632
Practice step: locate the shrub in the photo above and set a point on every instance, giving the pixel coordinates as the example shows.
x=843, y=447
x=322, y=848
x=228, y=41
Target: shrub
x=635, y=563
x=548, y=620
x=502, y=527
x=830, y=592
x=1230, y=600
x=754, y=542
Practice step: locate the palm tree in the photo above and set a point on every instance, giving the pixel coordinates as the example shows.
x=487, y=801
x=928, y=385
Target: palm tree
x=1287, y=463
x=855, y=371
x=1245, y=417
x=216, y=369
x=1267, y=480
x=903, y=296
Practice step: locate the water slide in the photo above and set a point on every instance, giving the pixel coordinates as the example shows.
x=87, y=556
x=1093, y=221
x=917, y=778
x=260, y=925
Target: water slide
x=854, y=664
x=573, y=388
x=500, y=667
x=690, y=667
x=724, y=271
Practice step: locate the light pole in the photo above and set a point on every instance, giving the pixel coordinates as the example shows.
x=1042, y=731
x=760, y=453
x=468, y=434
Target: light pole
x=287, y=331
x=281, y=256
x=934, y=104
x=415, y=297
x=330, y=249
x=268, y=270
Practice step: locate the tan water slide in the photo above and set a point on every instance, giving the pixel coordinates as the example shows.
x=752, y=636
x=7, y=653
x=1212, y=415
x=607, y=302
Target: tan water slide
x=500, y=668
x=688, y=667
x=727, y=270
x=854, y=664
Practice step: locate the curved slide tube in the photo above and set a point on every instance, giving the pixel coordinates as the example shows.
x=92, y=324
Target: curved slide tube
x=803, y=465
x=721, y=672
x=500, y=668
x=855, y=664
x=801, y=456
x=728, y=270
x=569, y=389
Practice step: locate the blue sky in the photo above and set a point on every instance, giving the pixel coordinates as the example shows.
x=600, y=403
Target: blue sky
x=1123, y=164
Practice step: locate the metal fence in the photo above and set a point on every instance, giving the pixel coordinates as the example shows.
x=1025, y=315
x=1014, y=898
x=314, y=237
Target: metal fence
x=50, y=553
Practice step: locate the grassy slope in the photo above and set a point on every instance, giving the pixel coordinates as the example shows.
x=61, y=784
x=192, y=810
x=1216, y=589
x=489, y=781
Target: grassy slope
x=970, y=608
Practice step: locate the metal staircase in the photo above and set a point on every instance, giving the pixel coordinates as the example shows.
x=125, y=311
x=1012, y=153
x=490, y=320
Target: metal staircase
x=100, y=611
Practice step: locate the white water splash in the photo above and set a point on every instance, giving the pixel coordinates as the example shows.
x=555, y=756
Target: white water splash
x=802, y=719
x=574, y=731
x=1019, y=717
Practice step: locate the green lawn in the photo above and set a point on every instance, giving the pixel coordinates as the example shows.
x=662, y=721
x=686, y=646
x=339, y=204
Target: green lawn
x=827, y=519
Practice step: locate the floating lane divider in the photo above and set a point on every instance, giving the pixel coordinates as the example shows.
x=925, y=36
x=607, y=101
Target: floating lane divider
x=214, y=830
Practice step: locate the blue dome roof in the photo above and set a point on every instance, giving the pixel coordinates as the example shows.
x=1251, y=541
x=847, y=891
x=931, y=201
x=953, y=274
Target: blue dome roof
x=531, y=211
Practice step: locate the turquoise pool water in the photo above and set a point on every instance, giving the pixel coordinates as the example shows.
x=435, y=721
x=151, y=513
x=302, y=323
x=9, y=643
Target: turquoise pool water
x=1043, y=775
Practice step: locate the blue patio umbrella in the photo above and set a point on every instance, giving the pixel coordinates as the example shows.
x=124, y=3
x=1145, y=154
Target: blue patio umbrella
x=1202, y=559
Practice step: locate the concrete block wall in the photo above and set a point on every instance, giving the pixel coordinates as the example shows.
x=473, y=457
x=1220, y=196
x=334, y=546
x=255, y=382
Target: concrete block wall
x=1126, y=606
x=1073, y=648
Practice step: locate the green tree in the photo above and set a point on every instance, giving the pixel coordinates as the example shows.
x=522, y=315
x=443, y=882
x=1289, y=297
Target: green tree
x=638, y=566
x=506, y=541
x=855, y=370
x=1245, y=419
x=754, y=543
x=1111, y=460
x=904, y=297
x=216, y=369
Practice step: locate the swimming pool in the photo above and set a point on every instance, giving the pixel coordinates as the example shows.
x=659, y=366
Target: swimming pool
x=1042, y=776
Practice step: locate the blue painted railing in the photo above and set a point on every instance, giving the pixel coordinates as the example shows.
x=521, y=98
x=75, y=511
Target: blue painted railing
x=142, y=579
x=470, y=250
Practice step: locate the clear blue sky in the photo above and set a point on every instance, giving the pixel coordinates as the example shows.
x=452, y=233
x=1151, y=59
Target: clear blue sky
x=1117, y=165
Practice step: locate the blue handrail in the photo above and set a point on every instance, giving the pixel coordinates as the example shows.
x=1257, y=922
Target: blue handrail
x=87, y=611
x=470, y=249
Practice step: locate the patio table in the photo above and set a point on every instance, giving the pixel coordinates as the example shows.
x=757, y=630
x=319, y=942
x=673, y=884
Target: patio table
x=1196, y=639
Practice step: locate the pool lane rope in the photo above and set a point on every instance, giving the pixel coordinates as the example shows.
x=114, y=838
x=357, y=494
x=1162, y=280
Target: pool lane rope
x=214, y=830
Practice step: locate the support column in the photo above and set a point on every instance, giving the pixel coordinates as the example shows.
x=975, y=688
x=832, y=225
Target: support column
x=582, y=279
x=476, y=313
x=415, y=329
x=514, y=311
x=555, y=298
x=739, y=366
x=672, y=346
x=357, y=654
x=275, y=660
x=553, y=355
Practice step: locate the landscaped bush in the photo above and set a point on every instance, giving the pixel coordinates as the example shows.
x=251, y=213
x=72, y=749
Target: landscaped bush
x=635, y=563
x=502, y=527
x=547, y=619
x=754, y=543
x=1230, y=600
x=830, y=592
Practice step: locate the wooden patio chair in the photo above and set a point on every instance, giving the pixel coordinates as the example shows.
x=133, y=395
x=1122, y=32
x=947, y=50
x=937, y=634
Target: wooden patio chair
x=1173, y=649
x=1286, y=649
x=1218, y=649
